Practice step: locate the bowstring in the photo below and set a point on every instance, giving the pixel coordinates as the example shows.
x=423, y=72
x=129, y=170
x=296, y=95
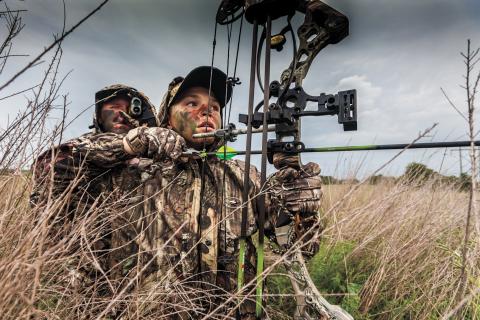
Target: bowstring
x=226, y=120
x=236, y=63
x=223, y=214
x=203, y=167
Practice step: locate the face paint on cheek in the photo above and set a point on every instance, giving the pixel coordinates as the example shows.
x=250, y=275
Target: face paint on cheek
x=179, y=123
x=108, y=119
x=108, y=115
x=193, y=126
x=186, y=122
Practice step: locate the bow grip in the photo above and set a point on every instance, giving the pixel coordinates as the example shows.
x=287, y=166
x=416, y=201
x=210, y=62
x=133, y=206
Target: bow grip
x=285, y=159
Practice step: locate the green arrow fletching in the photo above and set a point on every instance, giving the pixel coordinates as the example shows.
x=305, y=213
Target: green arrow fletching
x=226, y=153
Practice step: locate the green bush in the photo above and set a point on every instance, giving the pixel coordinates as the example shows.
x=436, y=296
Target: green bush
x=339, y=276
x=280, y=288
x=336, y=277
x=418, y=172
x=329, y=180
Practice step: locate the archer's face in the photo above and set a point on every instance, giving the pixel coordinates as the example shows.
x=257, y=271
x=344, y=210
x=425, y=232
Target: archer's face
x=191, y=114
x=110, y=117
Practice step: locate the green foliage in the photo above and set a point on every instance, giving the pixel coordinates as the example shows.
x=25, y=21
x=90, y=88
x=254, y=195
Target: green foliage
x=418, y=172
x=329, y=180
x=333, y=275
x=381, y=179
x=464, y=181
x=328, y=269
x=375, y=179
x=280, y=288
x=351, y=302
x=339, y=276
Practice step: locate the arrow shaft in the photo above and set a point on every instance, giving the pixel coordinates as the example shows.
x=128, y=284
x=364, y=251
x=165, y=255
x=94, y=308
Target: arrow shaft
x=235, y=132
x=399, y=146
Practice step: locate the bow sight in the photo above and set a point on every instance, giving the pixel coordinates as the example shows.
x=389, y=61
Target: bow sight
x=343, y=104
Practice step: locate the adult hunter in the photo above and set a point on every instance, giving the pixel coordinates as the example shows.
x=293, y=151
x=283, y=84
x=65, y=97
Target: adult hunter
x=83, y=189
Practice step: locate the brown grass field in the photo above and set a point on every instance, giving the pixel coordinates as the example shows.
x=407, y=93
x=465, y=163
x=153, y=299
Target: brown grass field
x=405, y=245
x=409, y=240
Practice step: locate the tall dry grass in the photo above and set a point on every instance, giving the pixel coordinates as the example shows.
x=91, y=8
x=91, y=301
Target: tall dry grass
x=407, y=242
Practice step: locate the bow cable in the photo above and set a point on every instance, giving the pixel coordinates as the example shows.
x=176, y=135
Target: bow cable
x=223, y=215
x=289, y=28
x=246, y=178
x=203, y=166
x=263, y=175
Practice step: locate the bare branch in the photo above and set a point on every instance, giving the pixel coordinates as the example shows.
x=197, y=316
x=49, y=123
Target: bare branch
x=19, y=92
x=14, y=55
x=51, y=46
x=453, y=105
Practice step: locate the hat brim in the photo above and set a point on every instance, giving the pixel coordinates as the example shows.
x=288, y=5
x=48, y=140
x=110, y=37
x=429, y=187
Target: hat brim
x=200, y=77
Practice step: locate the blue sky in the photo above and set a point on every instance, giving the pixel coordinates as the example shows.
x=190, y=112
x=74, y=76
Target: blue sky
x=398, y=55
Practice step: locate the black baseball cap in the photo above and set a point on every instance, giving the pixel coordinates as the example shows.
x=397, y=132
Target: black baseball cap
x=200, y=77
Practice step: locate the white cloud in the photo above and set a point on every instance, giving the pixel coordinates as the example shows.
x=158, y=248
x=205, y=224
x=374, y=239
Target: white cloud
x=366, y=90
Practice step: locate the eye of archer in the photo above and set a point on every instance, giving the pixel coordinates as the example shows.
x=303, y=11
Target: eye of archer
x=115, y=107
x=191, y=103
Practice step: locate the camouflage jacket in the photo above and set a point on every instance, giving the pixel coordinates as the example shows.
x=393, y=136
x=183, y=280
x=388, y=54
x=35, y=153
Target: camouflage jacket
x=88, y=183
x=192, y=225
x=81, y=166
x=196, y=225
x=191, y=217
x=167, y=223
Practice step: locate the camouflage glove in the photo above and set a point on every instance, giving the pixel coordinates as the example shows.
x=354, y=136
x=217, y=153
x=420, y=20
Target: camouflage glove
x=156, y=143
x=296, y=197
x=297, y=191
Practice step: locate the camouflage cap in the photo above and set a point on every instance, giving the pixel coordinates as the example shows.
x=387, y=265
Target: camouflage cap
x=146, y=116
x=220, y=87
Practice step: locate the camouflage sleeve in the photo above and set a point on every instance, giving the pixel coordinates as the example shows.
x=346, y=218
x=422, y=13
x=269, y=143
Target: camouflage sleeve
x=104, y=150
x=77, y=164
x=68, y=184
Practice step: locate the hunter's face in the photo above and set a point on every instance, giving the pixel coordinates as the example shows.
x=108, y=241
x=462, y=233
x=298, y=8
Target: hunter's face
x=191, y=114
x=110, y=117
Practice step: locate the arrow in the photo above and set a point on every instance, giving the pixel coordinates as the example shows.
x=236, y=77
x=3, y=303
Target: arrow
x=228, y=153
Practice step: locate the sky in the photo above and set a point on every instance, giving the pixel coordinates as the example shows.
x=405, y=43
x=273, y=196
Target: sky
x=398, y=56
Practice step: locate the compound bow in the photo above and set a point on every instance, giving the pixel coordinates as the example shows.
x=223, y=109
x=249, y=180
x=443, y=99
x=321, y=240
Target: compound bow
x=322, y=26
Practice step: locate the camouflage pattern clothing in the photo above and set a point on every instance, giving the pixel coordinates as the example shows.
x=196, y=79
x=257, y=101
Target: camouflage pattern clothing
x=83, y=189
x=96, y=182
x=163, y=222
x=194, y=227
x=95, y=176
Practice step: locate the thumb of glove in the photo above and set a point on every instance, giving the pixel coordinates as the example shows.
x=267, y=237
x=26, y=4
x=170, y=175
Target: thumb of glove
x=310, y=169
